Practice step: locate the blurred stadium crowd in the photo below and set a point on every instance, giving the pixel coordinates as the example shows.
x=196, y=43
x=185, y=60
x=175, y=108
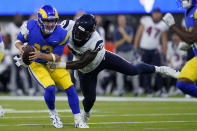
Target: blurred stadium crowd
x=132, y=36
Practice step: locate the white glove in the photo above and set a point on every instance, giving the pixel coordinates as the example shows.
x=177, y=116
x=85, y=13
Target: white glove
x=168, y=19
x=19, y=61
x=51, y=66
x=60, y=64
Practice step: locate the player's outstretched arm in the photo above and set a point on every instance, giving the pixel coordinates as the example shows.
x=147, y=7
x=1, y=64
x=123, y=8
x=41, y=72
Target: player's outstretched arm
x=85, y=59
x=188, y=37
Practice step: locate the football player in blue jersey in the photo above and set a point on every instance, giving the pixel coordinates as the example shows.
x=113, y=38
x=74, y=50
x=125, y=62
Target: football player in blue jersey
x=48, y=40
x=188, y=76
x=90, y=57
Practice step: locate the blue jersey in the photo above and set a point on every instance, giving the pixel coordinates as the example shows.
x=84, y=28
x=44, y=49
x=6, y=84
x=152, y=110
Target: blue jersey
x=54, y=43
x=190, y=17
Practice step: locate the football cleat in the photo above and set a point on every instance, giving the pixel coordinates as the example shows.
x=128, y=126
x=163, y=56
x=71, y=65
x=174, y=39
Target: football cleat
x=85, y=116
x=55, y=119
x=167, y=71
x=1, y=111
x=79, y=123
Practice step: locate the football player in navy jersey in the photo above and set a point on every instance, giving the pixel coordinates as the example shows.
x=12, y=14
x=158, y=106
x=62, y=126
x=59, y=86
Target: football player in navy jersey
x=48, y=40
x=90, y=57
x=188, y=75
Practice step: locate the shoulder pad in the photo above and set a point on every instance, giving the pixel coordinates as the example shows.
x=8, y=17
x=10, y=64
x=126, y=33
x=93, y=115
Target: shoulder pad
x=64, y=23
x=24, y=30
x=99, y=46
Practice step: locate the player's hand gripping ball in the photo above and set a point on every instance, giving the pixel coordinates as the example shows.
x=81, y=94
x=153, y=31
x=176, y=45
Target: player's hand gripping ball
x=27, y=49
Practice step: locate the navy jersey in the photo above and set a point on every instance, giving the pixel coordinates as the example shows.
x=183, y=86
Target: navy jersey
x=54, y=43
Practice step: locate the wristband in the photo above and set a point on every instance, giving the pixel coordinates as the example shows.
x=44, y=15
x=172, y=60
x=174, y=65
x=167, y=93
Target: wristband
x=17, y=41
x=53, y=57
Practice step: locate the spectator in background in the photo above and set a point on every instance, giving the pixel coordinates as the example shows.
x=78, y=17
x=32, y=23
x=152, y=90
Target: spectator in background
x=149, y=33
x=176, y=59
x=5, y=62
x=17, y=83
x=99, y=27
x=123, y=36
x=105, y=73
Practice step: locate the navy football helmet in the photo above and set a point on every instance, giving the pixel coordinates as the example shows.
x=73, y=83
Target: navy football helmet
x=83, y=28
x=47, y=18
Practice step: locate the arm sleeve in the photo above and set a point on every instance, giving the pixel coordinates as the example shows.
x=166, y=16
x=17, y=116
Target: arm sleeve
x=60, y=47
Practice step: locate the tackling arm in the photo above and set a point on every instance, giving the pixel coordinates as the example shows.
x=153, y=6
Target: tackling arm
x=85, y=59
x=82, y=62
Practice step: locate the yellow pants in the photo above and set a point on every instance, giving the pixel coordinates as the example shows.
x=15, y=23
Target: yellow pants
x=1, y=56
x=189, y=71
x=45, y=77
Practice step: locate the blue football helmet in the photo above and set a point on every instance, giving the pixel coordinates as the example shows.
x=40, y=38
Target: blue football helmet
x=83, y=28
x=186, y=3
x=47, y=18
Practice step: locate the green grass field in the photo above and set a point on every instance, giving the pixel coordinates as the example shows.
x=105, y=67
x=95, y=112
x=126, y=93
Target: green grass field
x=32, y=115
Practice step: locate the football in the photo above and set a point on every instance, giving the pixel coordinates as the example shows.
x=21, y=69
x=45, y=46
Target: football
x=27, y=49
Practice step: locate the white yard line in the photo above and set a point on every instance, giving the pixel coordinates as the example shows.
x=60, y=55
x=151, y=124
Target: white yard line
x=121, y=115
x=106, y=123
x=102, y=98
x=32, y=111
x=162, y=128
